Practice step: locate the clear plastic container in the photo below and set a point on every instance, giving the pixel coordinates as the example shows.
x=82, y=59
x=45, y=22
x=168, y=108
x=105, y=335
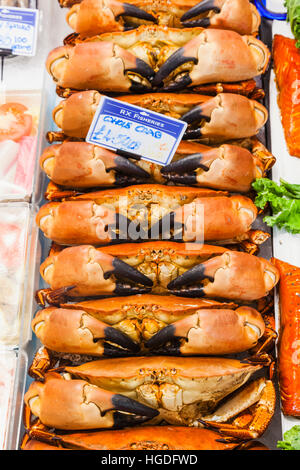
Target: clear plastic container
x=16, y=243
x=18, y=152
x=8, y=366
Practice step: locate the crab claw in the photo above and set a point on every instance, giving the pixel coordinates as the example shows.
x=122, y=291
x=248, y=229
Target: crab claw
x=234, y=275
x=238, y=15
x=76, y=404
x=82, y=165
x=92, y=273
x=211, y=57
x=76, y=332
x=228, y=167
x=125, y=271
x=226, y=116
x=201, y=220
x=98, y=66
x=90, y=17
x=84, y=221
x=210, y=332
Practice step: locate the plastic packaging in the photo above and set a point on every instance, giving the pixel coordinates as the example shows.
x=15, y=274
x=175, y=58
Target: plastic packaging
x=19, y=119
x=8, y=363
x=14, y=232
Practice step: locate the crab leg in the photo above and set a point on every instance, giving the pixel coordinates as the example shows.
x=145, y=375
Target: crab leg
x=77, y=332
x=232, y=275
x=76, y=404
x=210, y=332
x=260, y=392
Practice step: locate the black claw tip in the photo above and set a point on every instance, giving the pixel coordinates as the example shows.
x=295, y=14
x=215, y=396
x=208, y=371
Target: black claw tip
x=128, y=168
x=195, y=114
x=161, y=337
x=135, y=12
x=193, y=275
x=193, y=292
x=143, y=69
x=120, y=338
x=173, y=62
x=201, y=23
x=122, y=403
x=127, y=289
x=125, y=271
x=202, y=7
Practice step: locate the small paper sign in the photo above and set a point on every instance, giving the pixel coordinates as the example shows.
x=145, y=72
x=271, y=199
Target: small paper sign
x=121, y=126
x=18, y=30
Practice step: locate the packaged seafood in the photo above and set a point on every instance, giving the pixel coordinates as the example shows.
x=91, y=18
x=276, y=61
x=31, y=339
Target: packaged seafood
x=19, y=120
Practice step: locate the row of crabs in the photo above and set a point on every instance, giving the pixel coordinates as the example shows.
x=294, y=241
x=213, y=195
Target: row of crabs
x=110, y=303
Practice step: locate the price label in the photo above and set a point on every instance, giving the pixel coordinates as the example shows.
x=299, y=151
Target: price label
x=18, y=30
x=121, y=126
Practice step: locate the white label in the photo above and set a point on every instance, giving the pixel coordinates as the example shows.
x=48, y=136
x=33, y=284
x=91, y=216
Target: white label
x=18, y=30
x=118, y=125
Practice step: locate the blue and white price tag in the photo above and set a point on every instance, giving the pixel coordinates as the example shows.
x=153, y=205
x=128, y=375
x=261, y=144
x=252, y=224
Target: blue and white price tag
x=18, y=30
x=121, y=126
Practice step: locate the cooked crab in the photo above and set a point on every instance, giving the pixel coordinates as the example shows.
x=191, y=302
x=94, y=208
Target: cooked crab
x=163, y=57
x=185, y=391
x=184, y=269
x=174, y=325
x=77, y=404
x=218, y=119
x=90, y=17
x=156, y=212
x=74, y=167
x=138, y=438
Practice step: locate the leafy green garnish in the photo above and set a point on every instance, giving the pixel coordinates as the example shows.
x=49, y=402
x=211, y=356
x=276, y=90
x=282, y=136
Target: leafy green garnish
x=284, y=200
x=291, y=439
x=293, y=16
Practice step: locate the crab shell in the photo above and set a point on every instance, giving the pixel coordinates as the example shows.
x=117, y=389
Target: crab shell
x=231, y=116
x=139, y=438
x=77, y=404
x=76, y=328
x=102, y=64
x=228, y=274
x=199, y=214
x=90, y=17
x=81, y=165
x=181, y=389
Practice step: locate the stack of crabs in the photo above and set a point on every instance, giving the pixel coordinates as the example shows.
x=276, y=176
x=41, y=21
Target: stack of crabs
x=150, y=339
